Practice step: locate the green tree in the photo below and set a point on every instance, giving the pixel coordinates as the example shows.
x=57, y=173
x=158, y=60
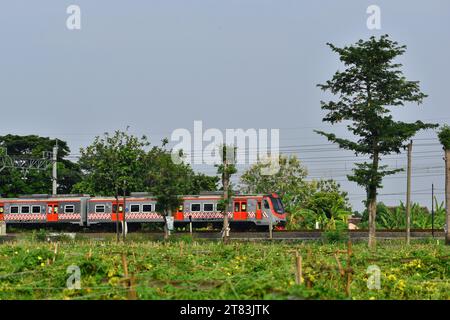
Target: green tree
x=167, y=180
x=226, y=170
x=305, y=201
x=370, y=84
x=112, y=164
x=109, y=161
x=14, y=182
x=289, y=179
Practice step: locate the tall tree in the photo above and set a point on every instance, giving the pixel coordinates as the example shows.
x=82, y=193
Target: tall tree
x=226, y=170
x=444, y=138
x=13, y=182
x=371, y=83
x=167, y=180
x=109, y=163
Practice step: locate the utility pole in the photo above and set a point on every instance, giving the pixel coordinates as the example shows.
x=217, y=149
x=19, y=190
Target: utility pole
x=408, y=196
x=55, y=169
x=225, y=181
x=447, y=195
x=432, y=210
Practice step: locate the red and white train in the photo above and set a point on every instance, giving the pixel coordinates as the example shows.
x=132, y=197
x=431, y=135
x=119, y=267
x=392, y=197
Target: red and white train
x=253, y=210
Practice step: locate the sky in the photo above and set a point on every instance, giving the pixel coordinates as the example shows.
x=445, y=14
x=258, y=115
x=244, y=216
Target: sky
x=157, y=66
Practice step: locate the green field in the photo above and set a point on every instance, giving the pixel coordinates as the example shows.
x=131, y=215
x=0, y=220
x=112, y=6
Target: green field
x=211, y=270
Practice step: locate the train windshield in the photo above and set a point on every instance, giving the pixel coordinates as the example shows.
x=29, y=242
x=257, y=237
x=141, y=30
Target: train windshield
x=277, y=205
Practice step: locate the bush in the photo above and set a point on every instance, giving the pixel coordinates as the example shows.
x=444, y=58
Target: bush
x=336, y=233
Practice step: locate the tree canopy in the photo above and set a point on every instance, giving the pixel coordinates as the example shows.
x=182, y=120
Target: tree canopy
x=13, y=182
x=371, y=83
x=113, y=159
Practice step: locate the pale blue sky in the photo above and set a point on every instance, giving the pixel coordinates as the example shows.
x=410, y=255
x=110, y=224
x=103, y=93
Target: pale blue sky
x=160, y=65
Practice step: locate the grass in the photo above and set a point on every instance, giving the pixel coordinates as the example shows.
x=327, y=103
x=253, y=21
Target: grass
x=210, y=270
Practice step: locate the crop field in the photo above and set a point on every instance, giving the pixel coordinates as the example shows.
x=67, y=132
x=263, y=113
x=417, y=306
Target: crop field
x=187, y=269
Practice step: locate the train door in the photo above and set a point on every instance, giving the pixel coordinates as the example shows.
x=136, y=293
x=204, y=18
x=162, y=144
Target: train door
x=117, y=208
x=52, y=211
x=240, y=210
x=258, y=212
x=179, y=213
x=2, y=212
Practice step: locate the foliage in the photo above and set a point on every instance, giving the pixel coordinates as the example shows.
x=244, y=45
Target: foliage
x=306, y=202
x=444, y=136
x=395, y=217
x=289, y=179
x=210, y=270
x=335, y=231
x=13, y=182
x=113, y=163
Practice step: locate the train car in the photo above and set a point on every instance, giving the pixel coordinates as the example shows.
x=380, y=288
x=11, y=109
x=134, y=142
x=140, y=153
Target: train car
x=246, y=210
x=43, y=209
x=108, y=209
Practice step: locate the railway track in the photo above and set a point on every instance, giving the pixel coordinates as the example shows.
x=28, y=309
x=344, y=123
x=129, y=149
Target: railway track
x=240, y=235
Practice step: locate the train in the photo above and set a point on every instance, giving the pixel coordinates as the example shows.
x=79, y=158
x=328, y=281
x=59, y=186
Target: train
x=258, y=210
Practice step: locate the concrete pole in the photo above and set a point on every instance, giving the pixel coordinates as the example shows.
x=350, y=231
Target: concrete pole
x=55, y=169
x=408, y=197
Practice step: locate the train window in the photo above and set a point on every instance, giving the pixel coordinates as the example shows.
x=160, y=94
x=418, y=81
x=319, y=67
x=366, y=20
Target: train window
x=36, y=209
x=120, y=208
x=69, y=208
x=14, y=209
x=135, y=208
x=243, y=207
x=208, y=207
x=25, y=209
x=237, y=207
x=266, y=204
x=195, y=207
x=1, y=210
x=259, y=205
x=99, y=208
x=146, y=208
x=180, y=208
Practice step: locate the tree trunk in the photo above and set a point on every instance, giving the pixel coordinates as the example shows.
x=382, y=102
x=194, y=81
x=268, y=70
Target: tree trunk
x=166, y=229
x=372, y=206
x=226, y=225
x=117, y=216
x=225, y=182
x=447, y=195
x=124, y=211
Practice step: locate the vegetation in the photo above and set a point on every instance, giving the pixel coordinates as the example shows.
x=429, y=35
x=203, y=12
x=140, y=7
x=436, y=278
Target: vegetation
x=307, y=202
x=192, y=270
x=395, y=217
x=444, y=138
x=13, y=182
x=370, y=84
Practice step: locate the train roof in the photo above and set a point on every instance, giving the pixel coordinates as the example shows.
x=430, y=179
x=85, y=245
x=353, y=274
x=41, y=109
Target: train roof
x=133, y=195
